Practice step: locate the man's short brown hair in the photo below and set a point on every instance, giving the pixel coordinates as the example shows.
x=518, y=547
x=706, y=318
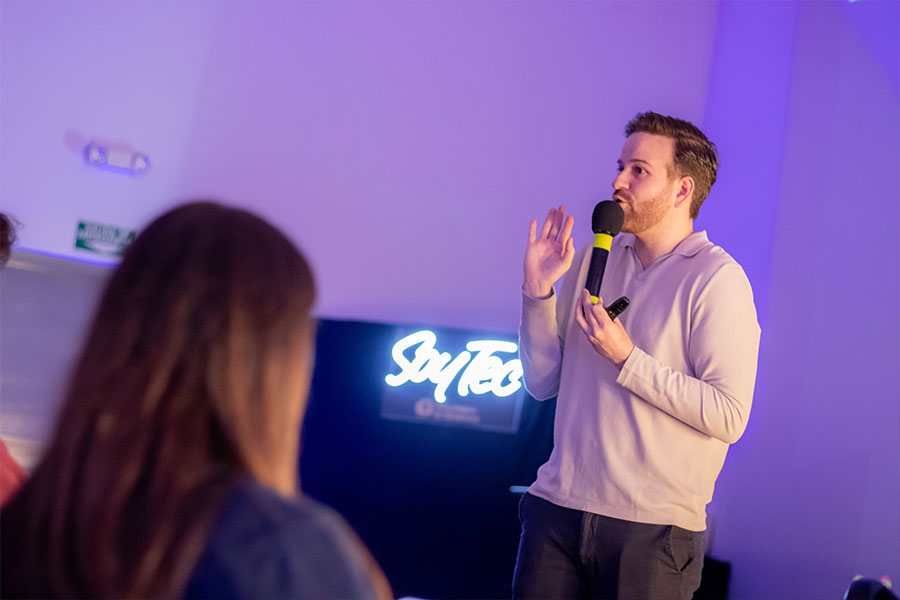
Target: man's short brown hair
x=695, y=155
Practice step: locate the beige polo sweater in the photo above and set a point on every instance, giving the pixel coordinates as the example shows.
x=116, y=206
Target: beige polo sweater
x=647, y=443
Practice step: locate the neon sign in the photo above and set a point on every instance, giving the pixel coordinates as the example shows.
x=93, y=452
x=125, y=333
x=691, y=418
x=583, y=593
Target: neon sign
x=481, y=373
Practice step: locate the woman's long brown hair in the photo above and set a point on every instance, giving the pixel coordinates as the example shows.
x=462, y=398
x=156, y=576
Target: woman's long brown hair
x=193, y=374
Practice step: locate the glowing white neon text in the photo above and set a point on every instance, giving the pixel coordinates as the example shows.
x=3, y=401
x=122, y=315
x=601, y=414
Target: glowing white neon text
x=484, y=373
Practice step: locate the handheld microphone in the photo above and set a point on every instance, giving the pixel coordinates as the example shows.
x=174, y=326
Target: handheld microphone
x=606, y=222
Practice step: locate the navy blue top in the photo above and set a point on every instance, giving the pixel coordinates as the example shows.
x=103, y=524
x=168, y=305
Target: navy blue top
x=267, y=546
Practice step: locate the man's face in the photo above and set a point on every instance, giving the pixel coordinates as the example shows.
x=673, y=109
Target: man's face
x=642, y=187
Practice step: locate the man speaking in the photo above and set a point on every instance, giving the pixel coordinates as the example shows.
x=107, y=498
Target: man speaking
x=648, y=402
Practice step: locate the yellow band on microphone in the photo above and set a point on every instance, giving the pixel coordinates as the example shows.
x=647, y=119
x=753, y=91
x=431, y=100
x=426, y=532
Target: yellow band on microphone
x=603, y=240
x=594, y=299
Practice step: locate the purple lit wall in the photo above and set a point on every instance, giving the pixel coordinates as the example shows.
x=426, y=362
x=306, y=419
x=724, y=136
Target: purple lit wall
x=406, y=145
x=396, y=141
x=812, y=493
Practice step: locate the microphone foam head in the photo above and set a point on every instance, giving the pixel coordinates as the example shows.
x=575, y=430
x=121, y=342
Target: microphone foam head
x=608, y=218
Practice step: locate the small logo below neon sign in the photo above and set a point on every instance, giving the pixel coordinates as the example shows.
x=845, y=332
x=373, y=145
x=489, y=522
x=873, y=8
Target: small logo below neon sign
x=481, y=373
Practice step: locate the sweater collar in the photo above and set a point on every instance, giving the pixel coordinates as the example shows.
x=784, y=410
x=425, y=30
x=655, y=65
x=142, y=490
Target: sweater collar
x=689, y=246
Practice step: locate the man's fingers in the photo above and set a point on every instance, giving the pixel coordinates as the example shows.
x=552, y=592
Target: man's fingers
x=548, y=223
x=585, y=312
x=566, y=237
x=589, y=307
x=579, y=318
x=532, y=230
x=557, y=221
x=567, y=229
x=601, y=315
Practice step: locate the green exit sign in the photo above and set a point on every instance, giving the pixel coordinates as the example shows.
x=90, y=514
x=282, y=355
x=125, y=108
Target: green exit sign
x=103, y=239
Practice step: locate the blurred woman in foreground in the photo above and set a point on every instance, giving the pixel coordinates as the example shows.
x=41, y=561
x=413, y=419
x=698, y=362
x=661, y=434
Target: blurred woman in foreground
x=173, y=468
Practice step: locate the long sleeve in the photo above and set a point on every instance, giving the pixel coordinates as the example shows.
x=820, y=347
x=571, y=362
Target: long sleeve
x=722, y=350
x=540, y=347
x=542, y=333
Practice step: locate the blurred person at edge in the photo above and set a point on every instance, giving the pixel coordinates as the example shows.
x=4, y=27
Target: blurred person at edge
x=12, y=475
x=173, y=468
x=647, y=404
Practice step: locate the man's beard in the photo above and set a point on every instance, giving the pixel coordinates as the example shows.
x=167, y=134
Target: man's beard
x=650, y=213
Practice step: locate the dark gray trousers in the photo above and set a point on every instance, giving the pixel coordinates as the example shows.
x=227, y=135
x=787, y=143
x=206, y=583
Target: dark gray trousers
x=565, y=553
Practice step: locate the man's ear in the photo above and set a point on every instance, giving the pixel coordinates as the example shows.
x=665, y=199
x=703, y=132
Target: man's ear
x=684, y=190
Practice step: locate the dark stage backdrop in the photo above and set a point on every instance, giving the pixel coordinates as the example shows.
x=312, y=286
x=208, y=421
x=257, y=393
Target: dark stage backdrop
x=432, y=502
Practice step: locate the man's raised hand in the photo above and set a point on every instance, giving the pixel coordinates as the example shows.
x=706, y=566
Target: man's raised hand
x=549, y=252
